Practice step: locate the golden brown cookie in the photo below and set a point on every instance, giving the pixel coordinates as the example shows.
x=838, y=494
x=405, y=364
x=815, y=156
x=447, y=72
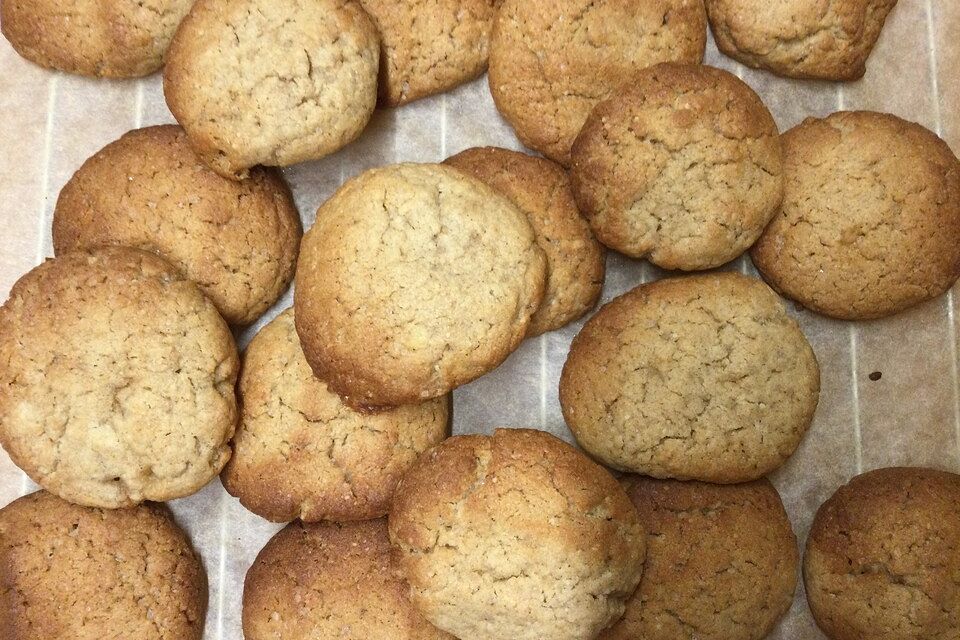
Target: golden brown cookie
x=721, y=562
x=116, y=379
x=114, y=39
x=541, y=189
x=800, y=38
x=237, y=240
x=330, y=580
x=94, y=574
x=870, y=222
x=695, y=378
x=272, y=82
x=682, y=166
x=552, y=62
x=516, y=536
x=299, y=452
x=414, y=280
x=883, y=557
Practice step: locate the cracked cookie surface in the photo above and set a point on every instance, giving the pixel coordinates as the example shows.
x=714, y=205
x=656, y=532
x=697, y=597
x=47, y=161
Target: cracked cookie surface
x=516, y=536
x=696, y=378
x=870, y=222
x=414, y=280
x=683, y=167
x=541, y=189
x=237, y=240
x=93, y=574
x=883, y=557
x=299, y=452
x=272, y=82
x=116, y=379
x=552, y=62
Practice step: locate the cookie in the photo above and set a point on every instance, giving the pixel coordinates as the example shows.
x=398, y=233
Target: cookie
x=552, y=62
x=883, y=557
x=721, y=562
x=541, y=189
x=237, y=240
x=516, y=536
x=116, y=379
x=800, y=38
x=272, y=82
x=429, y=46
x=299, y=452
x=414, y=280
x=870, y=222
x=330, y=581
x=90, y=574
x=695, y=378
x=116, y=39
x=683, y=167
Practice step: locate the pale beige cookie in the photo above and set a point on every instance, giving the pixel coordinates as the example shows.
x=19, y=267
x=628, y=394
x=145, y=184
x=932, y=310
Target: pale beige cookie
x=541, y=189
x=883, y=557
x=116, y=379
x=800, y=38
x=299, y=452
x=106, y=38
x=552, y=62
x=272, y=82
x=414, y=280
x=516, y=536
x=237, y=240
x=329, y=580
x=721, y=562
x=682, y=166
x=69, y=572
x=695, y=378
x=870, y=222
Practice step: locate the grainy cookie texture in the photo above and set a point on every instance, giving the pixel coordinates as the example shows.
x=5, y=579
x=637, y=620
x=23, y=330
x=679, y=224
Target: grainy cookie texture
x=331, y=581
x=272, y=82
x=108, y=38
x=870, y=222
x=552, y=62
x=701, y=377
x=541, y=189
x=299, y=452
x=883, y=557
x=92, y=574
x=414, y=280
x=116, y=379
x=682, y=166
x=516, y=536
x=800, y=38
x=721, y=562
x=237, y=240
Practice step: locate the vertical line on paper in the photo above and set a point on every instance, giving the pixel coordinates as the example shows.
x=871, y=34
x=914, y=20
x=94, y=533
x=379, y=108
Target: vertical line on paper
x=222, y=569
x=856, y=397
x=138, y=106
x=443, y=127
x=934, y=70
x=543, y=382
x=841, y=99
x=738, y=70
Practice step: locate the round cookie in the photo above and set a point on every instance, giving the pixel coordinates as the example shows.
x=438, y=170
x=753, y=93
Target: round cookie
x=541, y=189
x=88, y=574
x=299, y=452
x=414, y=280
x=115, y=39
x=883, y=557
x=683, y=167
x=116, y=379
x=695, y=378
x=237, y=240
x=870, y=222
x=800, y=38
x=330, y=580
x=429, y=46
x=552, y=62
x=721, y=562
x=516, y=536
x=272, y=82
